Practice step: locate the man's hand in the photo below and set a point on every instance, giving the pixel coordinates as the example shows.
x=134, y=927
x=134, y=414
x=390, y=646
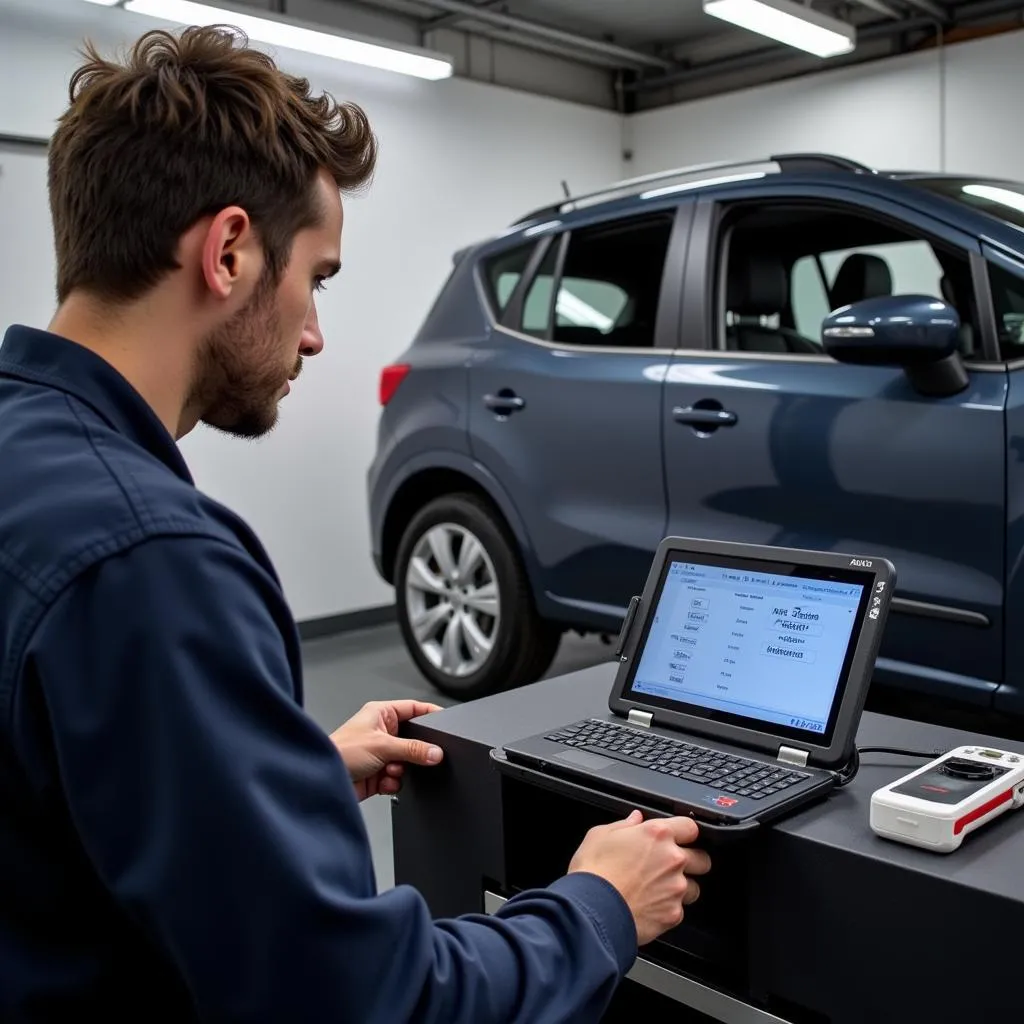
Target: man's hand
x=651, y=864
x=372, y=751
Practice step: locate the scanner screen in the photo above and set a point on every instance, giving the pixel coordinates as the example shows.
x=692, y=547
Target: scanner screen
x=763, y=647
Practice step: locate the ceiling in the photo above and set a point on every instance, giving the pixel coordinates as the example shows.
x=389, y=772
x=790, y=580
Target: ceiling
x=627, y=55
x=661, y=51
x=637, y=22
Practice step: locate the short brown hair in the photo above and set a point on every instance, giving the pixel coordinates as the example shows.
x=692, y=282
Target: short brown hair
x=187, y=125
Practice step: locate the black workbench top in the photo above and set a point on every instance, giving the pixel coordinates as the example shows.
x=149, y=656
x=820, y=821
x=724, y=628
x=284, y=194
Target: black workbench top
x=992, y=859
x=869, y=917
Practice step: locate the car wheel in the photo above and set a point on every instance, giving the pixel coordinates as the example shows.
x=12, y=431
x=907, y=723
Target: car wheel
x=464, y=603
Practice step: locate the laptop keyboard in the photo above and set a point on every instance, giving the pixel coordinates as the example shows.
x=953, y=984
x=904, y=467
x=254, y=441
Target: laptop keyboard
x=736, y=775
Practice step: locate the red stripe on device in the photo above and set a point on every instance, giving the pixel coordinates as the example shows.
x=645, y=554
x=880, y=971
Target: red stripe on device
x=980, y=812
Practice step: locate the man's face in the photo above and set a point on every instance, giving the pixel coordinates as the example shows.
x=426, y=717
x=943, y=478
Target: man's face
x=245, y=365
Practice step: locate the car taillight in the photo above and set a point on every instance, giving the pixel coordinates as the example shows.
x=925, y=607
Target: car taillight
x=390, y=378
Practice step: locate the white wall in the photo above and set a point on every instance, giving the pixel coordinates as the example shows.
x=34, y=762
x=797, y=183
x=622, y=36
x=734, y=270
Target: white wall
x=458, y=161
x=930, y=111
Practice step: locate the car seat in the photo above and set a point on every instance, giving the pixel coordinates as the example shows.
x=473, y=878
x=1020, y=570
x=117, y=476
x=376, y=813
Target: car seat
x=862, y=276
x=757, y=290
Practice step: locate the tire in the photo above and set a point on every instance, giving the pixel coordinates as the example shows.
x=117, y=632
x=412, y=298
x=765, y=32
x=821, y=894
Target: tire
x=438, y=609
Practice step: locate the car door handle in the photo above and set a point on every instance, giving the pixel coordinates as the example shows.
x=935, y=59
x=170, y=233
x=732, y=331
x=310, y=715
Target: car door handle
x=504, y=403
x=704, y=417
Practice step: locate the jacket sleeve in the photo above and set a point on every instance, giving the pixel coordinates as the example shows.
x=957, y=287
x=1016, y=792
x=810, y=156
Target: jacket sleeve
x=221, y=819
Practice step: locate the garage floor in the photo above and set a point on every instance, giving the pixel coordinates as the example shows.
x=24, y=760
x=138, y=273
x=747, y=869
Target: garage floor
x=344, y=672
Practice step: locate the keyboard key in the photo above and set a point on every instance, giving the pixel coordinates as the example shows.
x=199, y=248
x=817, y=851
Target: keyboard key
x=618, y=755
x=676, y=758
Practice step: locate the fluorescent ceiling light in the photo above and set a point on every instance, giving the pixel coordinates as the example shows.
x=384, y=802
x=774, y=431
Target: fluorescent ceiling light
x=581, y=313
x=104, y=3
x=787, y=22
x=994, y=194
x=266, y=28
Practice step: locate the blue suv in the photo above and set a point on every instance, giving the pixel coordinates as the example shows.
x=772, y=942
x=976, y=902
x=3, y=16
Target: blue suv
x=797, y=351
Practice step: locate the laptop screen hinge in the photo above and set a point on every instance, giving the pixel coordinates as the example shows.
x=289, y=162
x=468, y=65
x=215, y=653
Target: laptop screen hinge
x=790, y=755
x=643, y=718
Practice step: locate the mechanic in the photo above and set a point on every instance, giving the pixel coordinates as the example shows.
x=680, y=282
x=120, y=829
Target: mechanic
x=179, y=840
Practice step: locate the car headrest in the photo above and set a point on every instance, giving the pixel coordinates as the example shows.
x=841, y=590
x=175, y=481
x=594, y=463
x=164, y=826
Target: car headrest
x=757, y=287
x=862, y=276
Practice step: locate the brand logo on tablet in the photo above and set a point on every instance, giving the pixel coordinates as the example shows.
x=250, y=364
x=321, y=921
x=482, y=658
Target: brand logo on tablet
x=864, y=563
x=722, y=801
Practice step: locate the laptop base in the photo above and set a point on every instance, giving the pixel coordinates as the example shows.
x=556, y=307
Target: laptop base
x=622, y=788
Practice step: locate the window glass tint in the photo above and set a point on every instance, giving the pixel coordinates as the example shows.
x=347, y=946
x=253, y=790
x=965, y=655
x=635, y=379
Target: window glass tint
x=1008, y=304
x=787, y=266
x=537, y=307
x=808, y=295
x=913, y=267
x=611, y=283
x=1001, y=199
x=503, y=272
x=583, y=303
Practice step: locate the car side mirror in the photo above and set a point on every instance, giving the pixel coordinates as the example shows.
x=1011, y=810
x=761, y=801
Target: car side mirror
x=918, y=332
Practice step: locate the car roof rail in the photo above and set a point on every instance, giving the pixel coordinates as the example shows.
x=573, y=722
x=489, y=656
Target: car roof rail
x=785, y=162
x=796, y=162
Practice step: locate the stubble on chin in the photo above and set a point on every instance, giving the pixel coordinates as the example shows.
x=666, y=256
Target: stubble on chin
x=238, y=381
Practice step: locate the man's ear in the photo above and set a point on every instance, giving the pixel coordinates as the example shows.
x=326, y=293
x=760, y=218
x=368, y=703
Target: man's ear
x=231, y=255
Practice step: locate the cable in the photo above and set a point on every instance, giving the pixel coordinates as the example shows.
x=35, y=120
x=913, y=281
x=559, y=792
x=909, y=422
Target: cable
x=902, y=751
x=845, y=775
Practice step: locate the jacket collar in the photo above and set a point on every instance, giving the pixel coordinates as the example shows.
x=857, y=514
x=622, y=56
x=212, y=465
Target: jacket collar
x=47, y=359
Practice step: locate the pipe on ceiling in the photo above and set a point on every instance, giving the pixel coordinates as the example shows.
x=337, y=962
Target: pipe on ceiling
x=774, y=54
x=443, y=20
x=881, y=7
x=469, y=12
x=940, y=14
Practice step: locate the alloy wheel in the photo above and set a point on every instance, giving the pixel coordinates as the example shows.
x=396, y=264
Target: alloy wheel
x=452, y=601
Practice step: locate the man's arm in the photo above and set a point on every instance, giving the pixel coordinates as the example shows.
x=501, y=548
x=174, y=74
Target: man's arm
x=224, y=821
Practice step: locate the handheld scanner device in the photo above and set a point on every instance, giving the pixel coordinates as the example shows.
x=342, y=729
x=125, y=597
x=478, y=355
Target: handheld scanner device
x=938, y=805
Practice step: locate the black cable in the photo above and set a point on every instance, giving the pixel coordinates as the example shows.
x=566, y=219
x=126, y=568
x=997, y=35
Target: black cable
x=845, y=775
x=902, y=751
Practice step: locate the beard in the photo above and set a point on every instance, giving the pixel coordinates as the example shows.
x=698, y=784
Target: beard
x=239, y=376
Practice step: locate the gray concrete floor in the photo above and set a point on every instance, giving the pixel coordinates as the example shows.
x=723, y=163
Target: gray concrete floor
x=342, y=673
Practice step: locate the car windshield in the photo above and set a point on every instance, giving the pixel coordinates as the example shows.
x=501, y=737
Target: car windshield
x=1001, y=199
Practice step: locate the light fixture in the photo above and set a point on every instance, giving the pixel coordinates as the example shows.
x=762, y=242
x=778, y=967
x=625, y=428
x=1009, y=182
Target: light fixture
x=995, y=194
x=787, y=22
x=277, y=31
x=581, y=314
x=104, y=3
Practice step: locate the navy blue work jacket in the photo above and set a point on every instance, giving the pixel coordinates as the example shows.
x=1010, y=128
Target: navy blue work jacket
x=178, y=839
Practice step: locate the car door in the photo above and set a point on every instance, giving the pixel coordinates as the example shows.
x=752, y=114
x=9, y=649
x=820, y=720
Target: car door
x=769, y=440
x=565, y=406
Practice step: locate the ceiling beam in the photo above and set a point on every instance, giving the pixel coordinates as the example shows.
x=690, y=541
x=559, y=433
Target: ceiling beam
x=881, y=7
x=628, y=57
x=445, y=20
x=774, y=54
x=939, y=13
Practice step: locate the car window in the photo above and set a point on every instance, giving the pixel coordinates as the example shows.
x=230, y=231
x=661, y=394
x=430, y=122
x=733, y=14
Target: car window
x=809, y=296
x=503, y=272
x=537, y=306
x=1008, y=305
x=788, y=267
x=587, y=303
x=912, y=266
x=609, y=287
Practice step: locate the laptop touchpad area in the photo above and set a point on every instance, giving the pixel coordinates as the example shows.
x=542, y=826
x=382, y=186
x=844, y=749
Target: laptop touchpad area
x=584, y=759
